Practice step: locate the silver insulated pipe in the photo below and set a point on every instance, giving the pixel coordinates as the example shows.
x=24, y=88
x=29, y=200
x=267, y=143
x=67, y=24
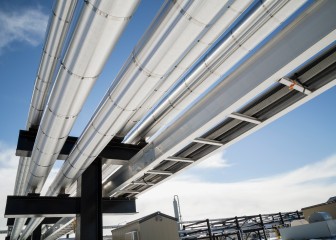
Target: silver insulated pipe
x=57, y=30
x=279, y=57
x=98, y=29
x=175, y=30
x=238, y=43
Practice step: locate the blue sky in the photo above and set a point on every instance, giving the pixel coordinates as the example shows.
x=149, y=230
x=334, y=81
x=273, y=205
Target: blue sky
x=293, y=156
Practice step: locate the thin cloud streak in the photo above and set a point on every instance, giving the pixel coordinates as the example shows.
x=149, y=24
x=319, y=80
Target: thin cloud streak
x=216, y=160
x=26, y=26
x=8, y=168
x=7, y=157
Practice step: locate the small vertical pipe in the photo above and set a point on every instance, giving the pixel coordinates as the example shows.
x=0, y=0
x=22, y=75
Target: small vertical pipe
x=263, y=226
x=209, y=229
x=238, y=229
x=281, y=219
x=298, y=214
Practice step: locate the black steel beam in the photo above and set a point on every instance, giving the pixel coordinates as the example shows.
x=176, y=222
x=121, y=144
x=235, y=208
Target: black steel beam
x=31, y=206
x=91, y=219
x=37, y=233
x=120, y=206
x=34, y=206
x=115, y=150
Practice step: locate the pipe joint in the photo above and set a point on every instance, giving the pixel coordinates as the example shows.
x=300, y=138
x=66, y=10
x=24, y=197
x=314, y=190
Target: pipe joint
x=100, y=133
x=106, y=15
x=143, y=70
x=66, y=21
x=35, y=108
x=40, y=166
x=82, y=153
x=60, y=115
x=77, y=75
x=188, y=16
x=50, y=137
x=49, y=55
x=211, y=70
x=120, y=107
x=44, y=153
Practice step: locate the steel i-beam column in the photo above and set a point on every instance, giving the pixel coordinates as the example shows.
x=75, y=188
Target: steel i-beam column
x=37, y=233
x=91, y=220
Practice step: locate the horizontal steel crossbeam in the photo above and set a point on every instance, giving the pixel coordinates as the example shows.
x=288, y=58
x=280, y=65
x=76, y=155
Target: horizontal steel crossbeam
x=32, y=206
x=114, y=153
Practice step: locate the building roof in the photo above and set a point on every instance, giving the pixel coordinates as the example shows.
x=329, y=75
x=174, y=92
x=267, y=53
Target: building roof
x=331, y=200
x=144, y=219
x=154, y=215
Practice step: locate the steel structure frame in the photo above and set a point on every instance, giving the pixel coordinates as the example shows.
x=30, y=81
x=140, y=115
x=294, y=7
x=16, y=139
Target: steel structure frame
x=88, y=207
x=275, y=101
x=240, y=227
x=279, y=87
x=62, y=206
x=114, y=153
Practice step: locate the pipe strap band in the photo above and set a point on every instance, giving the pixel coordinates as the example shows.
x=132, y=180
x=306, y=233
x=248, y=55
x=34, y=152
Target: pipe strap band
x=105, y=14
x=76, y=75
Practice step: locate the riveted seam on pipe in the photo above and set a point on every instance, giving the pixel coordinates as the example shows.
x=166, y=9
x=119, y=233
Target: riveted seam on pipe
x=199, y=41
x=65, y=177
x=100, y=133
x=144, y=70
x=44, y=153
x=171, y=103
x=41, y=80
x=37, y=109
x=61, y=116
x=210, y=69
x=49, y=55
x=59, y=18
x=40, y=165
x=82, y=152
x=237, y=41
x=70, y=163
x=105, y=14
x=50, y=137
x=122, y=108
x=274, y=9
x=188, y=16
x=76, y=75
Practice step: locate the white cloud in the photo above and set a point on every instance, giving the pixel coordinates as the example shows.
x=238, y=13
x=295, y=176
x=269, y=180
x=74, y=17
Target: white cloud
x=215, y=160
x=308, y=185
x=8, y=168
x=7, y=157
x=27, y=26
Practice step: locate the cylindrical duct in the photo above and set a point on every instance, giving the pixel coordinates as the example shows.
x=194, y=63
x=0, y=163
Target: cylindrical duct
x=99, y=27
x=174, y=32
